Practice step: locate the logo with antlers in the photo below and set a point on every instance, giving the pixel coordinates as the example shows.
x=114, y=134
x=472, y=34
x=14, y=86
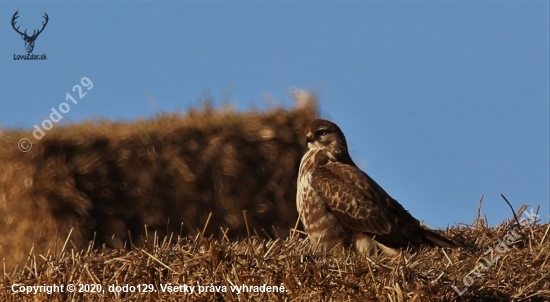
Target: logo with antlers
x=29, y=41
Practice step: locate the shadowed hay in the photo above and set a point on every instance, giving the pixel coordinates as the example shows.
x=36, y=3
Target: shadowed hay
x=106, y=180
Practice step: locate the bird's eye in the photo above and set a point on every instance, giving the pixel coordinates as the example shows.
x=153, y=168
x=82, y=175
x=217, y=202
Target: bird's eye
x=321, y=132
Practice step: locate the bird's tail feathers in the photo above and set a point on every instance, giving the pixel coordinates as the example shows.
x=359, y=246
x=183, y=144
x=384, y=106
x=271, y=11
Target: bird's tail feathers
x=437, y=239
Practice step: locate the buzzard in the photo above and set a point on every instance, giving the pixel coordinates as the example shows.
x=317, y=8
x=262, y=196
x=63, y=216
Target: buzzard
x=337, y=202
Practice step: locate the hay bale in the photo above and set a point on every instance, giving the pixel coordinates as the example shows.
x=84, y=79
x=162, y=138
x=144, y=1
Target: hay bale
x=107, y=180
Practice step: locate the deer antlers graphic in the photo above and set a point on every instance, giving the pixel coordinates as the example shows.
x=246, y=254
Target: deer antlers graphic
x=29, y=41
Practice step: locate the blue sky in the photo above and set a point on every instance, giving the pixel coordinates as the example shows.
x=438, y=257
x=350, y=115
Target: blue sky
x=440, y=101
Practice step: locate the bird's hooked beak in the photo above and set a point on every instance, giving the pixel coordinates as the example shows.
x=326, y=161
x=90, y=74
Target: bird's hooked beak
x=309, y=137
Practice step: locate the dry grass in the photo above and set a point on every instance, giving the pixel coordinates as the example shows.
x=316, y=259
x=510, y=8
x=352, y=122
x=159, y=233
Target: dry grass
x=520, y=274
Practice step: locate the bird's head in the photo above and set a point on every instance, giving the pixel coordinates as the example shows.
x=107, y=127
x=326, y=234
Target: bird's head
x=323, y=134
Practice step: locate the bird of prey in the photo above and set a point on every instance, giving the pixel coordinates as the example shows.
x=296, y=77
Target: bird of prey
x=337, y=202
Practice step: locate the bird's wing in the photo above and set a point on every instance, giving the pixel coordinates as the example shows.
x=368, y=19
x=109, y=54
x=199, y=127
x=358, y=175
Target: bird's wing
x=360, y=204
